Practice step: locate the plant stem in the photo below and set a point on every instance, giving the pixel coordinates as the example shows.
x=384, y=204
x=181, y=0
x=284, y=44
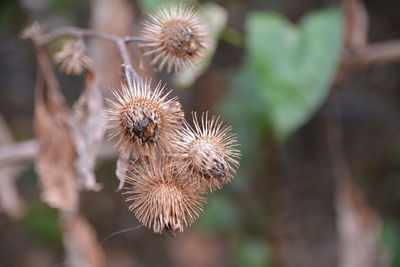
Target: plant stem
x=120, y=42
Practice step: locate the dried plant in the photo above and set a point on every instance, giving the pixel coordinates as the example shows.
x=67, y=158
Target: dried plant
x=145, y=120
x=171, y=164
x=208, y=152
x=33, y=31
x=160, y=201
x=52, y=128
x=176, y=36
x=72, y=58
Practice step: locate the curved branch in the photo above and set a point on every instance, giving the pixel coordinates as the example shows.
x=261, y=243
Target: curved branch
x=120, y=42
x=27, y=150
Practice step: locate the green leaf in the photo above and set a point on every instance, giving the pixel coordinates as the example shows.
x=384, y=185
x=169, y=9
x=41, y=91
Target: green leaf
x=219, y=214
x=390, y=237
x=251, y=252
x=293, y=66
x=61, y=5
x=152, y=5
x=42, y=223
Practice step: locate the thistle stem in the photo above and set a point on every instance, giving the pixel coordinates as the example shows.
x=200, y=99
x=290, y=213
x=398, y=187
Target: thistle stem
x=120, y=42
x=131, y=39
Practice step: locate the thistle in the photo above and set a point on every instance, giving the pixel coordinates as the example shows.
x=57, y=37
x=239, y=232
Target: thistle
x=176, y=37
x=72, y=58
x=207, y=153
x=32, y=31
x=160, y=201
x=144, y=120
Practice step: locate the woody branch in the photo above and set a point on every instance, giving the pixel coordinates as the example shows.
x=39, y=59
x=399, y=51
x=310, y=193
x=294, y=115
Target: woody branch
x=119, y=42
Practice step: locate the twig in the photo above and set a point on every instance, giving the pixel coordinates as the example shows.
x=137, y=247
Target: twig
x=383, y=52
x=356, y=25
x=130, y=39
x=17, y=152
x=10, y=200
x=27, y=151
x=355, y=28
x=357, y=223
x=357, y=51
x=120, y=43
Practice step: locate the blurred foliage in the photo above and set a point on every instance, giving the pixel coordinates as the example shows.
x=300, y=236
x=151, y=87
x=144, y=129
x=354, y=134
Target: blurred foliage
x=10, y=11
x=285, y=77
x=390, y=236
x=62, y=5
x=219, y=215
x=251, y=252
x=42, y=223
x=151, y=5
x=291, y=67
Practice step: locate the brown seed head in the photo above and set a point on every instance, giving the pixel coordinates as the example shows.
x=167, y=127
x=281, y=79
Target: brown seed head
x=207, y=152
x=32, y=31
x=144, y=120
x=160, y=202
x=176, y=36
x=72, y=58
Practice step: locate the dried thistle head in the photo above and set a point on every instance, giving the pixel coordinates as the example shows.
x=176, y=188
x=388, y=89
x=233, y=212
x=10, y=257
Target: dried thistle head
x=144, y=120
x=176, y=37
x=207, y=152
x=32, y=31
x=159, y=201
x=72, y=58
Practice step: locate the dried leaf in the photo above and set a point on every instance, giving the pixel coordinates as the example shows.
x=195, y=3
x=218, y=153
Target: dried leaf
x=89, y=131
x=56, y=157
x=122, y=167
x=80, y=241
x=358, y=226
x=10, y=201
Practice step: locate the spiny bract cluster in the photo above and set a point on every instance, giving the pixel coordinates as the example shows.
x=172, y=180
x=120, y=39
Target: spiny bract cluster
x=160, y=201
x=175, y=36
x=176, y=163
x=144, y=119
x=72, y=58
x=207, y=152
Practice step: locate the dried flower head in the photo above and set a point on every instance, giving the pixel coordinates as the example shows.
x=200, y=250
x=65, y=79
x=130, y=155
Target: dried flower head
x=207, y=152
x=72, y=58
x=176, y=36
x=144, y=120
x=160, y=202
x=32, y=31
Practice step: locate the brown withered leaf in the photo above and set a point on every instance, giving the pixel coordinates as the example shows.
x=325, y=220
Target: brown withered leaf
x=122, y=167
x=358, y=226
x=88, y=131
x=56, y=157
x=80, y=241
x=10, y=201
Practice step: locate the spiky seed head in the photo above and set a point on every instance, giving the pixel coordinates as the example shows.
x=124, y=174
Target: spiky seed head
x=32, y=31
x=176, y=36
x=72, y=58
x=207, y=152
x=159, y=201
x=145, y=120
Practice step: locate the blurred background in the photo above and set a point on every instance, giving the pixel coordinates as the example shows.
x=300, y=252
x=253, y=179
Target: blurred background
x=311, y=87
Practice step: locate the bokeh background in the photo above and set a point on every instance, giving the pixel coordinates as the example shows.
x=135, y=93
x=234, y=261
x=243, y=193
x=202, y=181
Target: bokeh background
x=317, y=119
